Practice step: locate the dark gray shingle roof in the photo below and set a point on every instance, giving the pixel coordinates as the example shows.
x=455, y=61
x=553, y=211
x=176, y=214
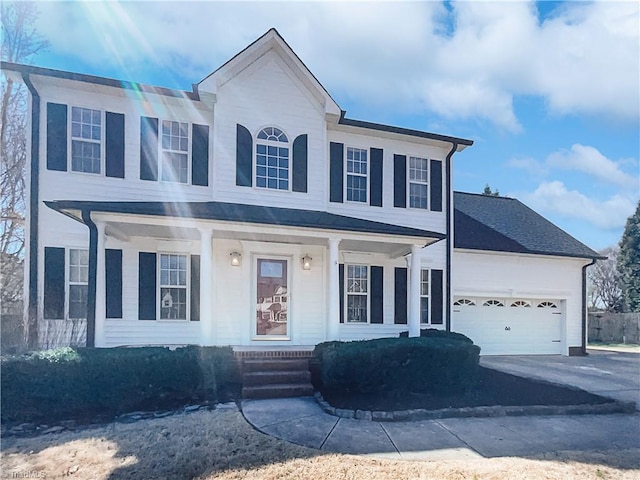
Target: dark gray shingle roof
x=484, y=222
x=257, y=214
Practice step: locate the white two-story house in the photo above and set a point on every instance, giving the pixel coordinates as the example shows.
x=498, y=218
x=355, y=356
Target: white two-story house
x=252, y=212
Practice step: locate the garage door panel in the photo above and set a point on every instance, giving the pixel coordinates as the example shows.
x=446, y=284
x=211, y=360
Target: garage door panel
x=510, y=330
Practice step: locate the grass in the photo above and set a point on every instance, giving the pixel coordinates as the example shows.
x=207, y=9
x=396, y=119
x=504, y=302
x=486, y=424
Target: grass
x=221, y=445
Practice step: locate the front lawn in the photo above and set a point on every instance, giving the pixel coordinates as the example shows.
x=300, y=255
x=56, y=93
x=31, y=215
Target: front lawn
x=221, y=445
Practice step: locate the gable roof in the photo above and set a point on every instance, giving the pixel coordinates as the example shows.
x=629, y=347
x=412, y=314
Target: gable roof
x=236, y=212
x=503, y=224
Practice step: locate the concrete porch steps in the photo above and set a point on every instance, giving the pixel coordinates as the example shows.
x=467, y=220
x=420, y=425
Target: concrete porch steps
x=276, y=378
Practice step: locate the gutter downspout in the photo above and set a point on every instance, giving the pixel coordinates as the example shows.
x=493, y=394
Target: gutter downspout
x=584, y=306
x=454, y=147
x=34, y=185
x=93, y=271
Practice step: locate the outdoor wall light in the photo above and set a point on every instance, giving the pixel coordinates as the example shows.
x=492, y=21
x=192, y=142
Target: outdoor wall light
x=306, y=262
x=236, y=259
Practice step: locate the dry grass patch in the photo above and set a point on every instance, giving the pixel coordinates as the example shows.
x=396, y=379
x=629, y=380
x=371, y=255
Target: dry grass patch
x=221, y=445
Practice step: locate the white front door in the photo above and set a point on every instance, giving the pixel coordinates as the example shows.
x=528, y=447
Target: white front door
x=272, y=299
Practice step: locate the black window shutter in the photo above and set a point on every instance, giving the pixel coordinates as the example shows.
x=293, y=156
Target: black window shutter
x=377, y=280
x=436, y=185
x=200, y=155
x=336, y=171
x=299, y=182
x=113, y=280
x=147, y=286
x=400, y=181
x=341, y=290
x=56, y=137
x=375, y=198
x=114, y=146
x=148, y=148
x=400, y=296
x=244, y=157
x=195, y=288
x=54, y=282
x=436, y=297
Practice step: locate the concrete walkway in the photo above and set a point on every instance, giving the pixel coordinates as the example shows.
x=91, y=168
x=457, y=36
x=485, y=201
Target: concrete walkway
x=617, y=375
x=301, y=421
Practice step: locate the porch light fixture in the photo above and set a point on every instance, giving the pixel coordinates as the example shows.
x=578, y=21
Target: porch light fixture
x=236, y=259
x=306, y=262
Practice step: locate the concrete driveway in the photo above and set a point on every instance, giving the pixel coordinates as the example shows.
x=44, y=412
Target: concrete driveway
x=607, y=373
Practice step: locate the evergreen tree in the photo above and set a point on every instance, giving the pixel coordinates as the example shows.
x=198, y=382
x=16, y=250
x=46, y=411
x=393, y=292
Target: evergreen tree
x=629, y=262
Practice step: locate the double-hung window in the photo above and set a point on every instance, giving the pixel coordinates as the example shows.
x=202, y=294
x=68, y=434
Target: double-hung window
x=357, y=293
x=175, y=151
x=418, y=183
x=272, y=159
x=173, y=286
x=86, y=140
x=356, y=175
x=424, y=296
x=78, y=283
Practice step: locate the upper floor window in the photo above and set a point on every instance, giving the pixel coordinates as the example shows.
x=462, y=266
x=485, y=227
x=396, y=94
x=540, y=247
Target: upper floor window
x=418, y=183
x=356, y=175
x=272, y=159
x=86, y=140
x=175, y=152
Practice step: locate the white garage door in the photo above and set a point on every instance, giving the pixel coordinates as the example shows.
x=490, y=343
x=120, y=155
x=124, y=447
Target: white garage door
x=510, y=326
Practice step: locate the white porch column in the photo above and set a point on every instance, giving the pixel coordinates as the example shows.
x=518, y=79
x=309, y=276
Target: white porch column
x=101, y=282
x=206, y=287
x=333, y=317
x=414, y=292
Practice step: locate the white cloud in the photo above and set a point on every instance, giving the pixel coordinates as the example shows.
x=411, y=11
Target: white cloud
x=554, y=197
x=589, y=160
x=529, y=165
x=408, y=56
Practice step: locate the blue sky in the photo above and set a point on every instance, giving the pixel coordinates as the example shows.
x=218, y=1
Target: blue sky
x=548, y=91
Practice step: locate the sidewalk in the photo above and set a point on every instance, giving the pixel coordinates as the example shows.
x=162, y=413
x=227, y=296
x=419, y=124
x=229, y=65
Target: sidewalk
x=302, y=421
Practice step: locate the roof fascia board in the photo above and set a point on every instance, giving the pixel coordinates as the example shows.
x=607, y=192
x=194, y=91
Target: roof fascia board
x=360, y=127
x=531, y=254
x=96, y=80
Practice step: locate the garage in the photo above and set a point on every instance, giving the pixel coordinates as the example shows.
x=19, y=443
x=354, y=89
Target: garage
x=503, y=326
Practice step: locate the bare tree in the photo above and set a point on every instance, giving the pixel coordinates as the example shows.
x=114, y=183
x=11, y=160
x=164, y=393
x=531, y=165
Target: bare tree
x=604, y=282
x=20, y=43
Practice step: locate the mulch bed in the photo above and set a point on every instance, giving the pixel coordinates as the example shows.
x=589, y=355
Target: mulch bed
x=492, y=388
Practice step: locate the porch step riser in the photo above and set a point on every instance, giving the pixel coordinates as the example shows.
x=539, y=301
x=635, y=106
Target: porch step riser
x=276, y=377
x=277, y=391
x=275, y=365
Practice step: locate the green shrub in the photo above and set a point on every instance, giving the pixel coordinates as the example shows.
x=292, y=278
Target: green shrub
x=436, y=333
x=421, y=364
x=77, y=383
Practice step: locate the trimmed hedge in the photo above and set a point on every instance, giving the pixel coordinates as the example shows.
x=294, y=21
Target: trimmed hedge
x=85, y=383
x=420, y=364
x=436, y=333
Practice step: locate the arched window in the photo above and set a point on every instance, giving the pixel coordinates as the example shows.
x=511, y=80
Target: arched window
x=547, y=305
x=464, y=302
x=272, y=159
x=493, y=303
x=521, y=303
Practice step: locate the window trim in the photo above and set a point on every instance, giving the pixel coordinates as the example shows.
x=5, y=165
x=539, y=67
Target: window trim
x=427, y=183
x=69, y=283
x=427, y=296
x=71, y=138
x=161, y=150
x=273, y=143
x=347, y=293
x=346, y=176
x=159, y=287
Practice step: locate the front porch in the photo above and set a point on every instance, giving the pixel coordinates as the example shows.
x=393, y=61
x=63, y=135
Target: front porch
x=192, y=275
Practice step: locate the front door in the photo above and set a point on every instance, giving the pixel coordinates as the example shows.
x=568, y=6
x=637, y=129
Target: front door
x=272, y=299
